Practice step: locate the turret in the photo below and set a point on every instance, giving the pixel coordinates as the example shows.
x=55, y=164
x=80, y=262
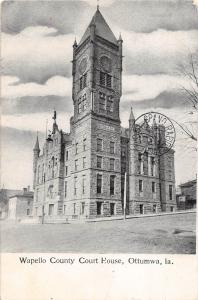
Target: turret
x=120, y=41
x=131, y=121
x=55, y=126
x=36, y=152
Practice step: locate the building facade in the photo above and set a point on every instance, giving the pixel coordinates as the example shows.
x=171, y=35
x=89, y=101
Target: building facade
x=187, y=195
x=81, y=174
x=20, y=205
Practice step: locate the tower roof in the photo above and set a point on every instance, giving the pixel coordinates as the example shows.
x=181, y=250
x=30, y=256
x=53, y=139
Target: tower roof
x=102, y=29
x=36, y=147
x=131, y=117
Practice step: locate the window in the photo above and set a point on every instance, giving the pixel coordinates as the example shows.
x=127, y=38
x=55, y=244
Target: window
x=67, y=155
x=76, y=165
x=51, y=209
x=123, y=151
x=110, y=103
x=75, y=185
x=74, y=208
x=84, y=144
x=82, y=208
x=79, y=106
x=83, y=184
x=83, y=81
x=112, y=184
x=139, y=163
x=171, y=208
x=140, y=185
x=99, y=144
x=84, y=102
x=64, y=209
x=99, y=184
x=65, y=189
x=102, y=78
x=145, y=163
x=112, y=209
x=84, y=162
x=99, y=208
x=105, y=79
x=112, y=163
x=152, y=161
x=99, y=162
x=76, y=147
x=102, y=101
x=112, y=145
x=170, y=192
x=28, y=212
x=153, y=187
x=108, y=80
x=66, y=170
x=154, y=208
x=141, y=209
x=123, y=166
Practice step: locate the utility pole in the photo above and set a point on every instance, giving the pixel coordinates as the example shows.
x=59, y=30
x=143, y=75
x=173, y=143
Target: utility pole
x=125, y=177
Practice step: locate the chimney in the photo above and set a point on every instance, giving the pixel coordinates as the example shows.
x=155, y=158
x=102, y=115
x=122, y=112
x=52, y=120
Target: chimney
x=24, y=190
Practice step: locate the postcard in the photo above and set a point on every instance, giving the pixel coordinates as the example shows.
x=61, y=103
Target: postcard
x=99, y=150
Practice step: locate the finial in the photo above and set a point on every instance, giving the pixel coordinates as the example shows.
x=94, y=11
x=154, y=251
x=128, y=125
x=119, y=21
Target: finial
x=75, y=43
x=120, y=37
x=54, y=116
x=98, y=4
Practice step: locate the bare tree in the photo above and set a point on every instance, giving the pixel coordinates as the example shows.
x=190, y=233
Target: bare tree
x=189, y=70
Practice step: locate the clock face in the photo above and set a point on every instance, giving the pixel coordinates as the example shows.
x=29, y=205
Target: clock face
x=106, y=63
x=83, y=65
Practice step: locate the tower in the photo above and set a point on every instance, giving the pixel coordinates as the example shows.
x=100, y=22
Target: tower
x=36, y=152
x=97, y=88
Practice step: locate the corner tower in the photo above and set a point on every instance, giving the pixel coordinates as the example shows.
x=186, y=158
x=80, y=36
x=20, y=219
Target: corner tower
x=97, y=71
x=97, y=76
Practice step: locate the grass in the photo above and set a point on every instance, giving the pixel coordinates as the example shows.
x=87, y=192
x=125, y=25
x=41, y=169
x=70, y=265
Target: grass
x=161, y=234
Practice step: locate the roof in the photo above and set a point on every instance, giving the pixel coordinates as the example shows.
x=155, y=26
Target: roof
x=102, y=29
x=24, y=195
x=189, y=183
x=36, y=147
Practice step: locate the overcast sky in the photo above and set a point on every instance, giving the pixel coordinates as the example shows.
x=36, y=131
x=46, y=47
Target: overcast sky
x=37, y=40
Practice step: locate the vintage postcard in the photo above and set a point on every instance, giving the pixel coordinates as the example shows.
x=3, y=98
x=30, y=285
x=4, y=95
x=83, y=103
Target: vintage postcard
x=99, y=150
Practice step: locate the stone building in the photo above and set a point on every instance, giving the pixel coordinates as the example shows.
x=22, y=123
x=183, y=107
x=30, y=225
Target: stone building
x=81, y=174
x=20, y=205
x=187, y=195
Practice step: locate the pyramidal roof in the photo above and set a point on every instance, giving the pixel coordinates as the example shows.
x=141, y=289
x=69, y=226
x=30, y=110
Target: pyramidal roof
x=102, y=29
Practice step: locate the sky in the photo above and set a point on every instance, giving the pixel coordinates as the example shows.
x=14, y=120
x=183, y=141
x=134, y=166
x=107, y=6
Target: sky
x=37, y=38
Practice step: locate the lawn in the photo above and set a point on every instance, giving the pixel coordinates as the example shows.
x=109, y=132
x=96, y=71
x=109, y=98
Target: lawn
x=160, y=234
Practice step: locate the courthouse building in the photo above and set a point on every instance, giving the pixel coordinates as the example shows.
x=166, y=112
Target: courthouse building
x=81, y=174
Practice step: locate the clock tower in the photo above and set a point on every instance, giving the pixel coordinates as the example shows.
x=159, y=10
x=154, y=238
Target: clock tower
x=97, y=72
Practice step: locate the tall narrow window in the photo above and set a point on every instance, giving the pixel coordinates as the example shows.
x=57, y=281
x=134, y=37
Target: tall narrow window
x=66, y=170
x=76, y=148
x=153, y=187
x=123, y=151
x=102, y=78
x=74, y=208
x=140, y=186
x=99, y=162
x=102, y=101
x=84, y=80
x=75, y=185
x=64, y=209
x=99, y=144
x=112, y=164
x=79, y=105
x=83, y=184
x=110, y=103
x=170, y=192
x=145, y=163
x=139, y=163
x=108, y=80
x=84, y=102
x=84, y=162
x=112, y=147
x=152, y=165
x=82, y=208
x=99, y=184
x=112, y=184
x=99, y=208
x=65, y=189
x=76, y=165
x=66, y=155
x=81, y=83
x=84, y=144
